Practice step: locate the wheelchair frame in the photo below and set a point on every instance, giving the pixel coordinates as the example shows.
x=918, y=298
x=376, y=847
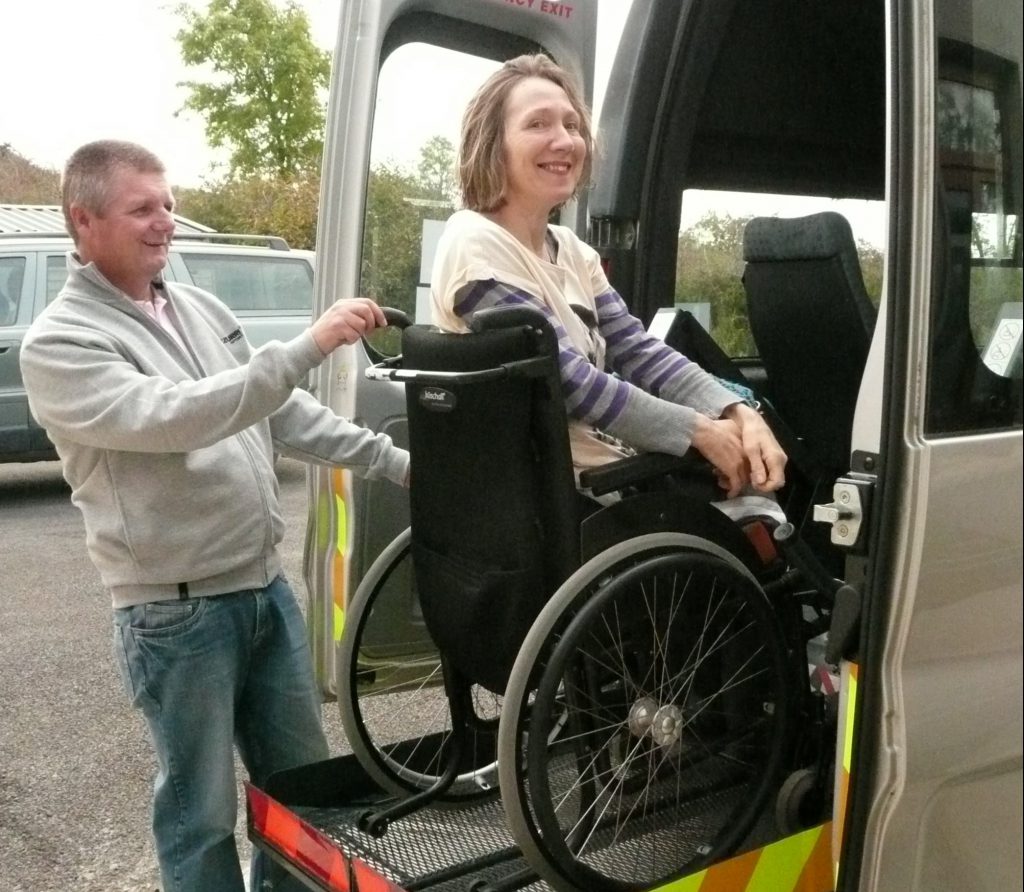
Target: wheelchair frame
x=613, y=775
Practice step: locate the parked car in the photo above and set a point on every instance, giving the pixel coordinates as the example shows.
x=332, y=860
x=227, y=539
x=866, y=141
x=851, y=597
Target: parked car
x=268, y=285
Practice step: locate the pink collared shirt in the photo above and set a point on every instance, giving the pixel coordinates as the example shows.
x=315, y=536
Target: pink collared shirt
x=155, y=309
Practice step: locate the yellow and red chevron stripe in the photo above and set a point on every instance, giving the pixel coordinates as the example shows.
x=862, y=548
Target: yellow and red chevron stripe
x=339, y=565
x=799, y=863
x=847, y=709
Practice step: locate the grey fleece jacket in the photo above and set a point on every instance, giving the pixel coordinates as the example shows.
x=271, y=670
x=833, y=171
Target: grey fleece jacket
x=169, y=452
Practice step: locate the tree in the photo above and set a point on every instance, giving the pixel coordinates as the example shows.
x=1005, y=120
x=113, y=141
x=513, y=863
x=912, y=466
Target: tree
x=265, y=102
x=284, y=206
x=709, y=269
x=436, y=170
x=22, y=182
x=391, y=239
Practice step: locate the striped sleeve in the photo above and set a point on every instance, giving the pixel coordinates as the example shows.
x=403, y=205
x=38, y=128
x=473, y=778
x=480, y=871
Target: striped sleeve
x=650, y=364
x=636, y=355
x=591, y=394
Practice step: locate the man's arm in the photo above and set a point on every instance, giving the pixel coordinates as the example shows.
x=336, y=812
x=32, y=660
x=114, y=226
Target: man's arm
x=304, y=429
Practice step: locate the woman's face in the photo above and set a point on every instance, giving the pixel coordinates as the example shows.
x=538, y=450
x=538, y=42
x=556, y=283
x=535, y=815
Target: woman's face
x=544, y=151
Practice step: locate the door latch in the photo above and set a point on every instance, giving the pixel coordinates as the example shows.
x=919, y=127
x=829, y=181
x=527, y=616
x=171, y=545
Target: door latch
x=847, y=512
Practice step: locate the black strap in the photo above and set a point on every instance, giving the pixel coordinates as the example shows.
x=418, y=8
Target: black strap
x=183, y=590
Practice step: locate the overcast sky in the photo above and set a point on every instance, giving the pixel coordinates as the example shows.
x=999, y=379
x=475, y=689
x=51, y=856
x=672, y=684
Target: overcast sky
x=78, y=70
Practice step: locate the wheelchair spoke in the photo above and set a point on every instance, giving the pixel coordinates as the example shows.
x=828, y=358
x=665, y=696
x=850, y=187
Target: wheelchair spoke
x=394, y=707
x=668, y=676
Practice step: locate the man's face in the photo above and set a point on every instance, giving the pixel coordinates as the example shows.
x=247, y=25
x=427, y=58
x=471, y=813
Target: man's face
x=128, y=242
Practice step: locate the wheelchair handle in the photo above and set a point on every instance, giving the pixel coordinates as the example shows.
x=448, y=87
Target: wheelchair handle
x=396, y=318
x=391, y=370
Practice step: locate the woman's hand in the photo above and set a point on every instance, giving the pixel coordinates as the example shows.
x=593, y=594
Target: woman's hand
x=765, y=459
x=721, y=443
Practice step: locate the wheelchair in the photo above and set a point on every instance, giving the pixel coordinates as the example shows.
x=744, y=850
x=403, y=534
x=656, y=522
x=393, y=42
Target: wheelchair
x=631, y=678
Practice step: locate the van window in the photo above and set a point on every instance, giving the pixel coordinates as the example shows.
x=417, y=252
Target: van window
x=250, y=283
x=412, y=186
x=12, y=277
x=974, y=380
x=709, y=263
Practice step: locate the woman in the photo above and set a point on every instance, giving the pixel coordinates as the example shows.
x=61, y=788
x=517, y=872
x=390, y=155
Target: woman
x=526, y=148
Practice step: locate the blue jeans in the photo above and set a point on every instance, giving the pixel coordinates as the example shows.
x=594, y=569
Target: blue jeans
x=210, y=673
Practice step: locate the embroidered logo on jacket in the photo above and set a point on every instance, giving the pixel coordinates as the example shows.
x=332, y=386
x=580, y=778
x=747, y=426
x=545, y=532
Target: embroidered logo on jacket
x=236, y=335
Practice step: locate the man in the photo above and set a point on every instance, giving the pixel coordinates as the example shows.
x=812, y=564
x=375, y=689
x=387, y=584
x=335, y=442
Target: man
x=166, y=423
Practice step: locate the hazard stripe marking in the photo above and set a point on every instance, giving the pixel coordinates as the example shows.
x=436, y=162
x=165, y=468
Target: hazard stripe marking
x=338, y=564
x=799, y=863
x=782, y=863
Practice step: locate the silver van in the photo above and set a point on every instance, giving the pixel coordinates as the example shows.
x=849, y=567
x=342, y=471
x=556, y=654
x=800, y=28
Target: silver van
x=268, y=285
x=902, y=117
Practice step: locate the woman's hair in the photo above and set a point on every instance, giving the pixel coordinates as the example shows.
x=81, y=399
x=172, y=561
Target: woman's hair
x=482, y=149
x=90, y=169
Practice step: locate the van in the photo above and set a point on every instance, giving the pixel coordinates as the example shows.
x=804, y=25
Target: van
x=268, y=285
x=904, y=118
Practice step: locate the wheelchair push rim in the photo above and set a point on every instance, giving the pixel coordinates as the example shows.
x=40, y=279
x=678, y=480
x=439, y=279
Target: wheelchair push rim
x=651, y=731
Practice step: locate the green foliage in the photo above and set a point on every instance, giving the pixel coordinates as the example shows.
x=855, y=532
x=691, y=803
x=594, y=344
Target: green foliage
x=282, y=205
x=391, y=239
x=265, y=99
x=436, y=171
x=872, y=262
x=397, y=204
x=708, y=269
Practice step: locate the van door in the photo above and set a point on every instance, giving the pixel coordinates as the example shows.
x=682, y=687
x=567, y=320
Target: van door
x=905, y=118
x=934, y=757
x=403, y=72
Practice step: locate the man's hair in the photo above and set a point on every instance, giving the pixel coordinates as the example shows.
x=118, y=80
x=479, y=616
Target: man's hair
x=482, y=148
x=90, y=170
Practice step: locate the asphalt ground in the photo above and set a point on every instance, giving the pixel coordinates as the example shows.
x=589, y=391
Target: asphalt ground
x=76, y=769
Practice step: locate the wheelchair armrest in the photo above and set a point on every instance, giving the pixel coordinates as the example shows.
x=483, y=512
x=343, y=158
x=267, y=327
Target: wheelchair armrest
x=640, y=468
x=508, y=317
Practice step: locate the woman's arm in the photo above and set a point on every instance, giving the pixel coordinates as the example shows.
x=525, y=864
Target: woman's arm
x=652, y=364
x=611, y=404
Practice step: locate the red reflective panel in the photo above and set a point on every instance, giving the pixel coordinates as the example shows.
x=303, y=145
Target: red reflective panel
x=301, y=843
x=368, y=880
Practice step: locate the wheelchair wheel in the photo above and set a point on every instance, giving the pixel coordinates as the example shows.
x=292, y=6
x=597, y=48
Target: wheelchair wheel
x=647, y=717
x=393, y=704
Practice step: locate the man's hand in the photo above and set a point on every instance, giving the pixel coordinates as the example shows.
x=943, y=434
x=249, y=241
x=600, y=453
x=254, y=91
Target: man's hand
x=765, y=459
x=345, y=322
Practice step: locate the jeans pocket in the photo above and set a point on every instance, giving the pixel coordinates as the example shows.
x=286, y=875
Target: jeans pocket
x=164, y=617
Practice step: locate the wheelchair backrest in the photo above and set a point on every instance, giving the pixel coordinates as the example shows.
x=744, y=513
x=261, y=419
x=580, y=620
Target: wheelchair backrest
x=493, y=504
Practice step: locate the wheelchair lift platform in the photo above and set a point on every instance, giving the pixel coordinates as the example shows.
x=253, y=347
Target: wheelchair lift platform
x=306, y=820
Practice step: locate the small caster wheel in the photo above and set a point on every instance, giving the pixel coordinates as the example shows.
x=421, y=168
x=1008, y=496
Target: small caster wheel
x=800, y=802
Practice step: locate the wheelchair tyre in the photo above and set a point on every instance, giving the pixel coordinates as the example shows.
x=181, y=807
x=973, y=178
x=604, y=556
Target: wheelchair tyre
x=647, y=717
x=392, y=699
